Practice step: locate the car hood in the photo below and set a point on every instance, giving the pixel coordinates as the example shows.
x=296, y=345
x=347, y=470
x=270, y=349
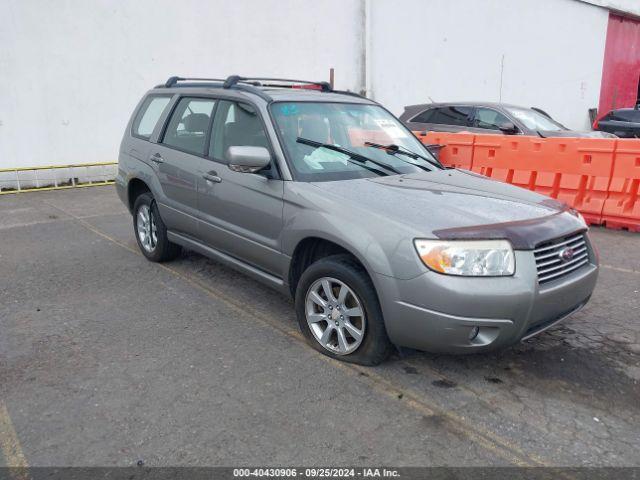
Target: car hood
x=449, y=201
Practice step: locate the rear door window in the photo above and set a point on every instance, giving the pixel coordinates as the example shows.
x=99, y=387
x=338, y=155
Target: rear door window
x=189, y=124
x=489, y=119
x=149, y=114
x=424, y=117
x=455, y=115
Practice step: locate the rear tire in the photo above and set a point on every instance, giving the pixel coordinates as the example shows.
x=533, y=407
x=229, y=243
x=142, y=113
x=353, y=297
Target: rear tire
x=339, y=313
x=151, y=232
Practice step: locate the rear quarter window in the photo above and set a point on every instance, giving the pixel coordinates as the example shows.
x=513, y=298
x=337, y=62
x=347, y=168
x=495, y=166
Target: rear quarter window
x=149, y=114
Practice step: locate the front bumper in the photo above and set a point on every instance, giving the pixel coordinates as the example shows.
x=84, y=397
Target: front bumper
x=437, y=313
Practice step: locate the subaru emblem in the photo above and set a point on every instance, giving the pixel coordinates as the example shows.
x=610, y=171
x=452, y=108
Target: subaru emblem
x=566, y=254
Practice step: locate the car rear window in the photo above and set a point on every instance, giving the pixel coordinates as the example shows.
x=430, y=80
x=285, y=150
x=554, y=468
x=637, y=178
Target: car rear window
x=148, y=115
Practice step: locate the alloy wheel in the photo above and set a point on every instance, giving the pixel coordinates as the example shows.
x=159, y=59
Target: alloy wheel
x=335, y=316
x=147, y=228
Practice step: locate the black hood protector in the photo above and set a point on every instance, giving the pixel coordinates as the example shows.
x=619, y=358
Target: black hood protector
x=523, y=234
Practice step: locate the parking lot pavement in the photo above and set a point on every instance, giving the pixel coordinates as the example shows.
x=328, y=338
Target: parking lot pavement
x=106, y=359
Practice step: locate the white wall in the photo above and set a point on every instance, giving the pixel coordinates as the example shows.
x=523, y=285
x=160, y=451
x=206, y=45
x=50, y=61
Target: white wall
x=452, y=51
x=71, y=71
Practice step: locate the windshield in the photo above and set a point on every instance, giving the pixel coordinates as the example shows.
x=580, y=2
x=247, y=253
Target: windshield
x=535, y=120
x=349, y=127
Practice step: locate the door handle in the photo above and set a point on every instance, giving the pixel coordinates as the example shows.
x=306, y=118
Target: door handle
x=212, y=177
x=157, y=158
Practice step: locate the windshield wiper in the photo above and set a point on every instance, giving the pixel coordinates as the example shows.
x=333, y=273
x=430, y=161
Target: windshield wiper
x=360, y=159
x=394, y=149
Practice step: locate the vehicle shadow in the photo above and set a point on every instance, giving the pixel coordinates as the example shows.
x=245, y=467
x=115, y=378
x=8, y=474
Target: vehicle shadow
x=560, y=362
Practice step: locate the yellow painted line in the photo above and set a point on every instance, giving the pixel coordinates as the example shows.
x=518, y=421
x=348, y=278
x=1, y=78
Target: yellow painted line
x=55, y=167
x=487, y=439
x=10, y=446
x=64, y=187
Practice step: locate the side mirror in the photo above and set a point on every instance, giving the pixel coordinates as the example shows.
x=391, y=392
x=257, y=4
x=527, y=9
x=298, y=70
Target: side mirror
x=246, y=159
x=508, y=128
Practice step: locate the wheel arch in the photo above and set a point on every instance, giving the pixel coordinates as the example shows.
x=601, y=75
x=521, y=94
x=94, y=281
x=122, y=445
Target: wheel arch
x=135, y=188
x=312, y=248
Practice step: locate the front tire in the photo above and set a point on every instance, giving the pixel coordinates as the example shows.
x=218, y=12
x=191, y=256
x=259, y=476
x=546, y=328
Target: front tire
x=151, y=232
x=339, y=313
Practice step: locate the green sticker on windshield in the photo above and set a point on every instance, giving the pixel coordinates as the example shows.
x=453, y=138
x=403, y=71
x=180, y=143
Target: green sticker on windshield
x=288, y=109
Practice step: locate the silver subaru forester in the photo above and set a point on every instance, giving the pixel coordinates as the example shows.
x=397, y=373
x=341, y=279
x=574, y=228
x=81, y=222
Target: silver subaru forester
x=325, y=195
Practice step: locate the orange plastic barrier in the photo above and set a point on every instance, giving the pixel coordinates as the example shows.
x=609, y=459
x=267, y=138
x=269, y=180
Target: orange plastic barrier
x=357, y=137
x=458, y=150
x=573, y=170
x=622, y=208
x=600, y=177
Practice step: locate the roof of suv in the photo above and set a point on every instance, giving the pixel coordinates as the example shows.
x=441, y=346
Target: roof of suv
x=268, y=89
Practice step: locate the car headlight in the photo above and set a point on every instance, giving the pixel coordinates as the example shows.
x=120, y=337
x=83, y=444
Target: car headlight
x=473, y=258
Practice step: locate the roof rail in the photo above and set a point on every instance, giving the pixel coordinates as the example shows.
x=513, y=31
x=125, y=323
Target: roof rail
x=252, y=84
x=245, y=86
x=172, y=81
x=233, y=80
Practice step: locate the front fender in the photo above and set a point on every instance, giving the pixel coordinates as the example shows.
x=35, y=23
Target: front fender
x=382, y=245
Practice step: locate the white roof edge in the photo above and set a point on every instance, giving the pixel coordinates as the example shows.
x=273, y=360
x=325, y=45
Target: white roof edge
x=624, y=7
